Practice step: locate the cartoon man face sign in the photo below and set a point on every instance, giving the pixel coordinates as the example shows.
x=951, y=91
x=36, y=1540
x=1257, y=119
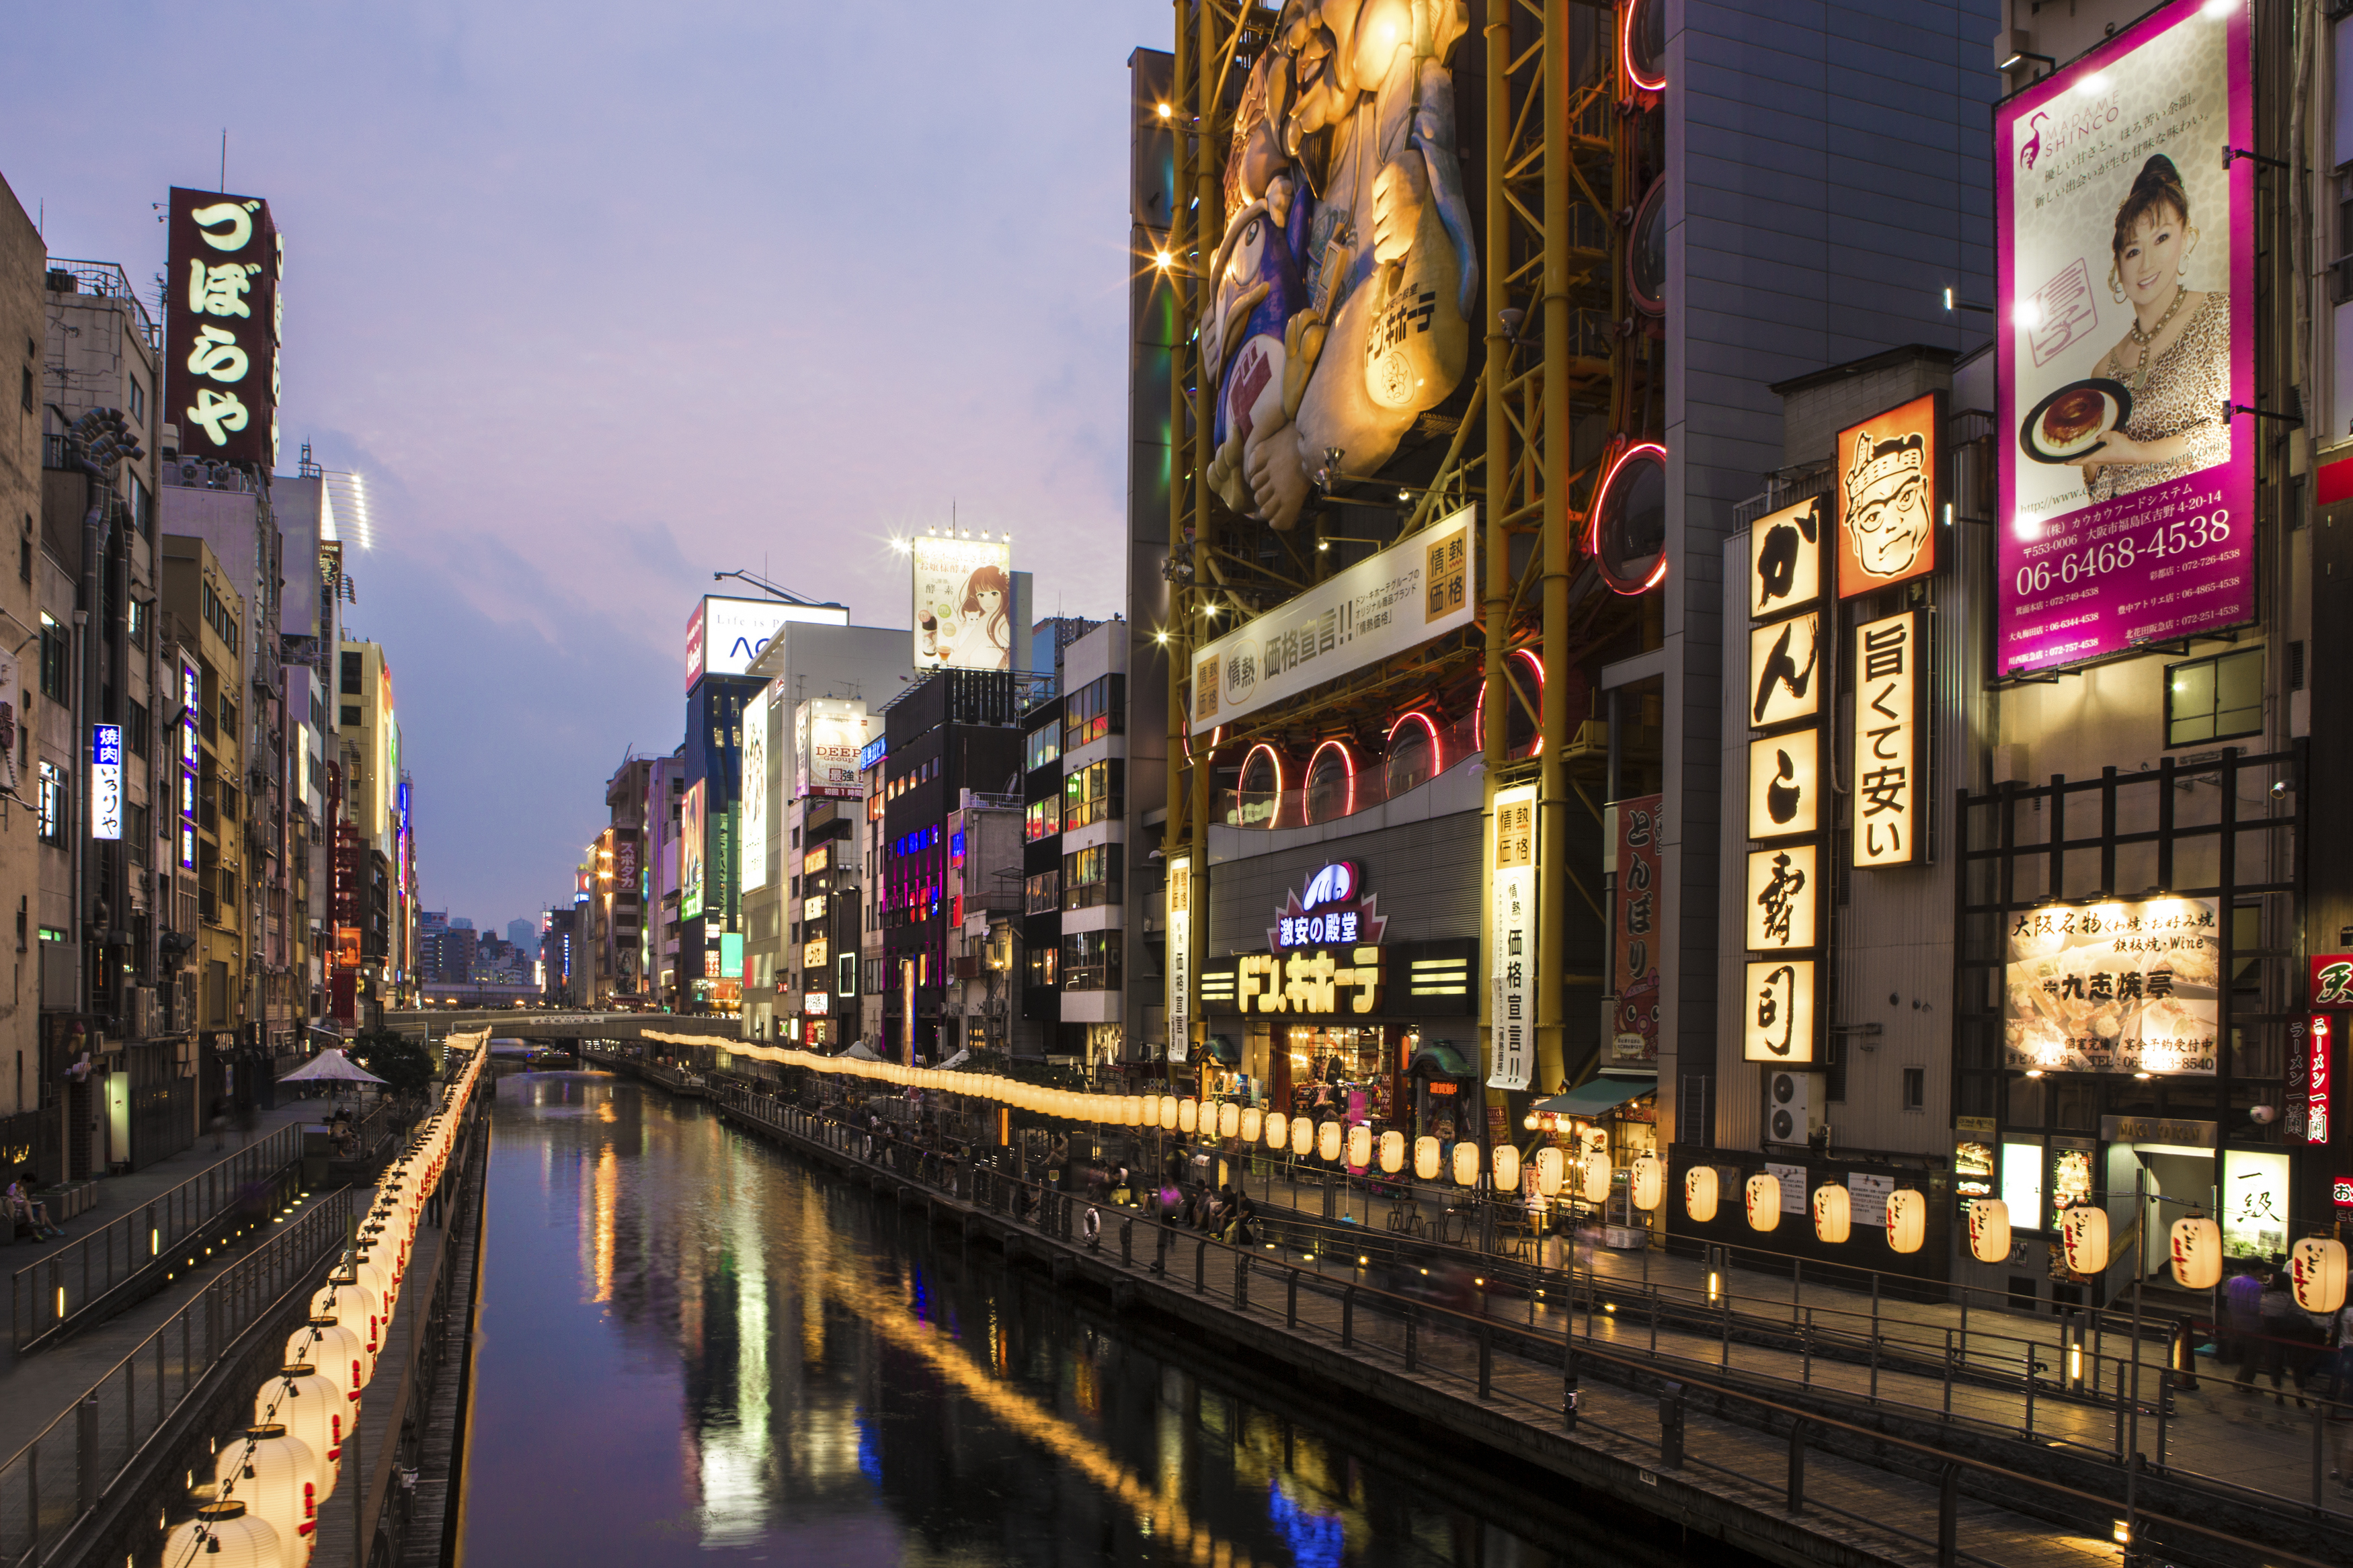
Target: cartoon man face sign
x=1887, y=520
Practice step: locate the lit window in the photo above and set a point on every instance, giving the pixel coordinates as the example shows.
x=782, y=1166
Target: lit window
x=2217, y=698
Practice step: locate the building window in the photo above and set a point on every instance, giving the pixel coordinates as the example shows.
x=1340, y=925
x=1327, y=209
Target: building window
x=135, y=621
x=352, y=671
x=1916, y=1089
x=1044, y=746
x=53, y=803
x=1043, y=965
x=134, y=727
x=1042, y=894
x=1091, y=961
x=351, y=716
x=135, y=832
x=1043, y=818
x=138, y=401
x=2216, y=699
x=25, y=552
x=1091, y=795
x=1092, y=711
x=54, y=645
x=1091, y=877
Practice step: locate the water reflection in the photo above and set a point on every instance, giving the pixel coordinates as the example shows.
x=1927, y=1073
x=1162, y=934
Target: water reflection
x=691, y=1344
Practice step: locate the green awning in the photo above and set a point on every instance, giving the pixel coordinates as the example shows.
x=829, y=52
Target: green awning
x=1441, y=1058
x=1598, y=1097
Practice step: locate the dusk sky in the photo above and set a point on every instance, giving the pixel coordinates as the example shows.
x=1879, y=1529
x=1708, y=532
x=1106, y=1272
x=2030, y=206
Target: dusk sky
x=603, y=299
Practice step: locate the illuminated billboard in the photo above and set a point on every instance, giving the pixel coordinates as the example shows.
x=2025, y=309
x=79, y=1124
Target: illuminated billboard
x=220, y=350
x=690, y=851
x=725, y=636
x=829, y=736
x=2126, y=263
x=1890, y=487
x=964, y=606
x=758, y=728
x=1340, y=297
x=2124, y=986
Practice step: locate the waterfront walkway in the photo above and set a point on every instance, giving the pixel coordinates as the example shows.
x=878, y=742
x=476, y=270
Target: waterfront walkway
x=1778, y=1444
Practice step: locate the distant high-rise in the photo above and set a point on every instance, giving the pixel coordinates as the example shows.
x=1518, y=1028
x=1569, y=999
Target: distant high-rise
x=522, y=933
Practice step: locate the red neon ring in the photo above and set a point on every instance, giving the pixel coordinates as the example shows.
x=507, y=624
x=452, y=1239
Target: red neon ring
x=1437, y=747
x=1348, y=759
x=1593, y=530
x=1625, y=51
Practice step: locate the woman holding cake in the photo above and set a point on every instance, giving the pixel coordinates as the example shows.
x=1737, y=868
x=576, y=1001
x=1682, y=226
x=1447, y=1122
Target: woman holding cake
x=2175, y=355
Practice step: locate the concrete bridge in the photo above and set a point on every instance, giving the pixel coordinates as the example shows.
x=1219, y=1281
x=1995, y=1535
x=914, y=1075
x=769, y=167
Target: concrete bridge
x=535, y=1025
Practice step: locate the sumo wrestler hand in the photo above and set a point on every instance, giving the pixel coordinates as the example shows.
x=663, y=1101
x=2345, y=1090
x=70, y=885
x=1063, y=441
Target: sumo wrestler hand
x=1400, y=191
x=1278, y=475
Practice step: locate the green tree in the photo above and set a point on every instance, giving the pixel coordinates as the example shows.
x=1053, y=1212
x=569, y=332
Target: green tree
x=401, y=1060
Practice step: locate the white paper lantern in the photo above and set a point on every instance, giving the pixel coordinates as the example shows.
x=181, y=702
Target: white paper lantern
x=2083, y=1238
x=1360, y=1145
x=1907, y=1220
x=1254, y=1124
x=314, y=1408
x=1169, y=1113
x=1392, y=1155
x=1989, y=1230
x=1833, y=1213
x=1302, y=1136
x=1763, y=1200
x=276, y=1476
x=1278, y=1129
x=1230, y=1120
x=352, y=1305
x=333, y=1351
x=1593, y=1168
x=1131, y=1111
x=1189, y=1115
x=1327, y=1140
x=1646, y=1182
x=1425, y=1158
x=1466, y=1163
x=1507, y=1168
x=1151, y=1111
x=223, y=1535
x=2315, y=1267
x=1549, y=1162
x=2197, y=1254
x=1700, y=1193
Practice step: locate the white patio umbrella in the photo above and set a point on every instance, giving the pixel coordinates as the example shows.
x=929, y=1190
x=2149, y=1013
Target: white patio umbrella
x=331, y=1066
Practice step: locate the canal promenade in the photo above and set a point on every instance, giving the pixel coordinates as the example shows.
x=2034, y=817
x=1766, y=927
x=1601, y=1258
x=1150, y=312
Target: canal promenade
x=1677, y=1425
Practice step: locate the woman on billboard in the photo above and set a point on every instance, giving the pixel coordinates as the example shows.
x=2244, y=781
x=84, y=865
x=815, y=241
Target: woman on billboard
x=2175, y=355
x=981, y=636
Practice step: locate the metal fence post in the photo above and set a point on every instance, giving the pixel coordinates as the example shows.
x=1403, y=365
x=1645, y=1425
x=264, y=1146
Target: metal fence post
x=1486, y=1357
x=1348, y=1317
x=86, y=1453
x=1797, y=1466
x=1568, y=1390
x=1290, y=1305
x=1948, y=1519
x=1408, y=1342
x=1670, y=1426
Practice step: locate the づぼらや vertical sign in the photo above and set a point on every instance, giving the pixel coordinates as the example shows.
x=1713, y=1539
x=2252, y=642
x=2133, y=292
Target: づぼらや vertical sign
x=1887, y=750
x=220, y=347
x=1511, y=937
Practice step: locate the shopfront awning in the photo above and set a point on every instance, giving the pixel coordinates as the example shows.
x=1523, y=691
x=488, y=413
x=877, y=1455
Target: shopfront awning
x=1439, y=1058
x=1599, y=1097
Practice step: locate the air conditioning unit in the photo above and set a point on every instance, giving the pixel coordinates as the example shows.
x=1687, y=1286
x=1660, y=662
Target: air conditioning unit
x=1793, y=1107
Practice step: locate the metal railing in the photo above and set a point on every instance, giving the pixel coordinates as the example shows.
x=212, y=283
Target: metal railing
x=51, y=1482
x=84, y=1279
x=1583, y=1320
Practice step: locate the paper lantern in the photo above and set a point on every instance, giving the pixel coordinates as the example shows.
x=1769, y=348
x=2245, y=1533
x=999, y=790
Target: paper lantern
x=1989, y=1230
x=1169, y=1113
x=1189, y=1115
x=333, y=1351
x=1302, y=1136
x=1507, y=1168
x=1646, y=1182
x=1425, y=1158
x=2083, y=1238
x=352, y=1305
x=1699, y=1193
x=1360, y=1145
x=312, y=1409
x=1907, y=1220
x=1763, y=1200
x=1833, y=1213
x=223, y=1535
x=1593, y=1175
x=1548, y=1170
x=1230, y=1120
x=277, y=1478
x=1466, y=1163
x=1392, y=1152
x=2315, y=1267
x=1327, y=1140
x=1278, y=1129
x=1151, y=1110
x=2197, y=1254
x=1131, y=1111
x=1253, y=1123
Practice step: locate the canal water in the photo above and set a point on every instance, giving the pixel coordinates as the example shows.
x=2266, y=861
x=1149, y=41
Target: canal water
x=690, y=1343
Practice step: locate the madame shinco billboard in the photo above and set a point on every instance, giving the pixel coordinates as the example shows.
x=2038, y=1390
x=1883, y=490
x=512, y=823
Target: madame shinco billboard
x=2126, y=266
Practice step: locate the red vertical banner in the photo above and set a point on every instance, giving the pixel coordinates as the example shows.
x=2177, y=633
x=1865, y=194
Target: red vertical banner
x=2320, y=1081
x=1638, y=927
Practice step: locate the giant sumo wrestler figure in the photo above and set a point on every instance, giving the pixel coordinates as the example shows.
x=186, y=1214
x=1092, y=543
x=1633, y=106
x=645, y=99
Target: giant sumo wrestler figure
x=1341, y=293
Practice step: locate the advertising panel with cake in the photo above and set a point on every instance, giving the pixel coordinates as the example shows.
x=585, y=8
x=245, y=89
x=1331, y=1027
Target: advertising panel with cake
x=2125, y=438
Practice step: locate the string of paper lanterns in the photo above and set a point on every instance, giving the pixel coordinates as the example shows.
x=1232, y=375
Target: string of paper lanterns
x=269, y=1480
